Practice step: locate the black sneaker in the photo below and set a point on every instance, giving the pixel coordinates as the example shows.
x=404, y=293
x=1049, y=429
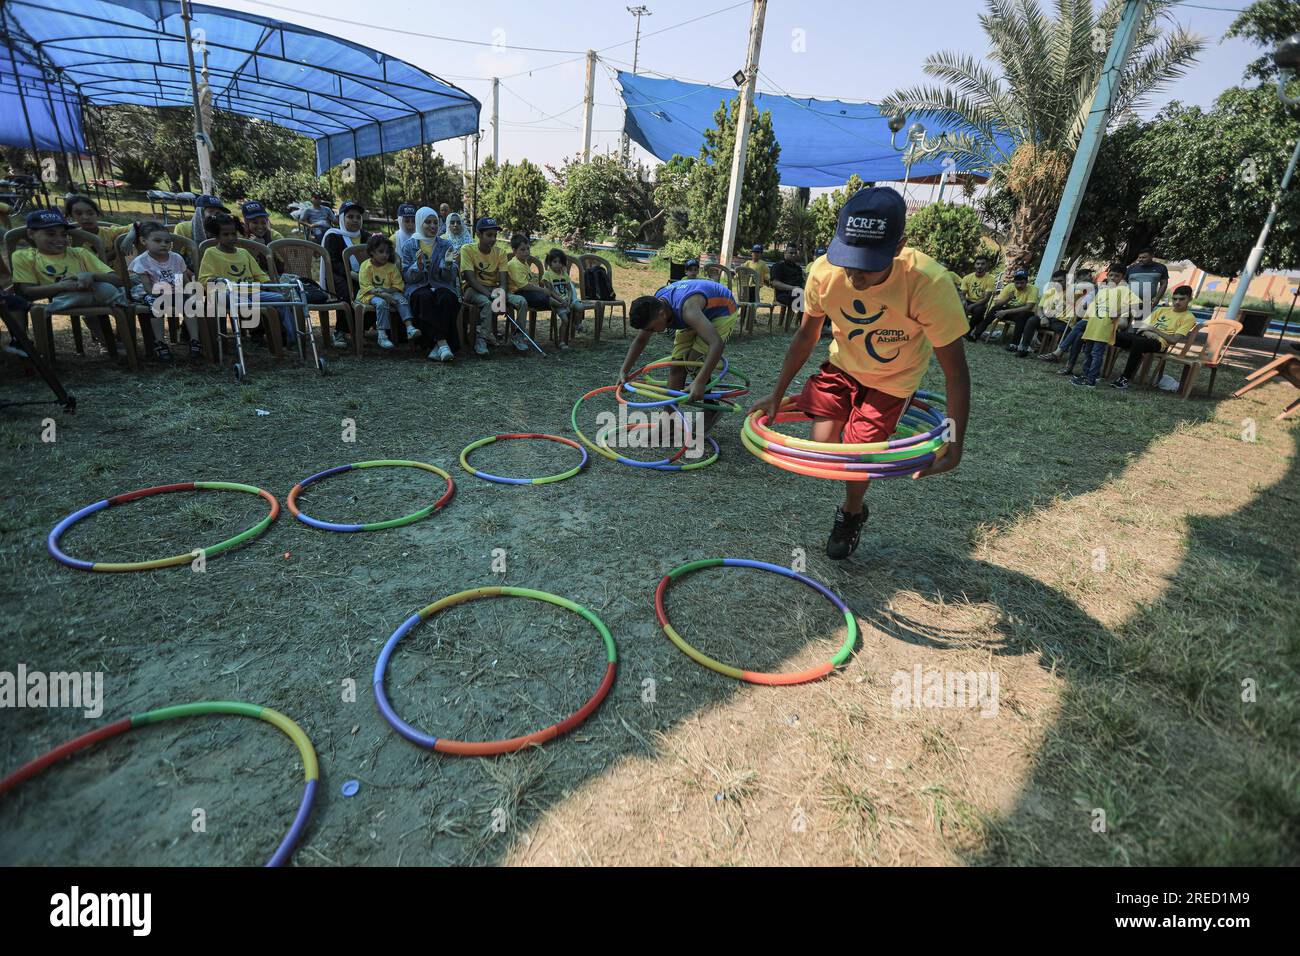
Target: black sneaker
x=844, y=535
x=1013, y=348
x=1023, y=353
x=162, y=352
x=1120, y=382
x=1080, y=380
x=196, y=349
x=1065, y=371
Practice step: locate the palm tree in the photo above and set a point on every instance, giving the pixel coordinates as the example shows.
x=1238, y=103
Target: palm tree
x=1036, y=87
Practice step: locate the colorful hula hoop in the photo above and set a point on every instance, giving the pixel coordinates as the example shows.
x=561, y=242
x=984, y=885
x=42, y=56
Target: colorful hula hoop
x=917, y=444
x=61, y=528
x=311, y=770
x=756, y=677
x=292, y=500
x=665, y=464
x=487, y=748
x=464, y=459
x=717, y=398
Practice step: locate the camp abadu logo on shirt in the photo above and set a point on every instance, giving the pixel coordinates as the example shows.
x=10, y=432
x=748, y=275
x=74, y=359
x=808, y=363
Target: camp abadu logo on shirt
x=872, y=337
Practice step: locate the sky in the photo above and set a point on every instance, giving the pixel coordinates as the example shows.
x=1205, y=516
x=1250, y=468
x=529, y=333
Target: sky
x=810, y=48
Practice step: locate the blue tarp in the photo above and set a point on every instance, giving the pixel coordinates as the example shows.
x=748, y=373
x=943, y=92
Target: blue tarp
x=353, y=101
x=823, y=142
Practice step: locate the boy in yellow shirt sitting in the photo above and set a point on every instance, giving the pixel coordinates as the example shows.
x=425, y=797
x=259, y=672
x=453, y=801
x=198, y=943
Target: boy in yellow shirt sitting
x=889, y=307
x=49, y=268
x=976, y=291
x=483, y=277
x=380, y=284
x=1164, y=328
x=564, y=295
x=523, y=292
x=228, y=260
x=1114, y=304
x=1017, y=302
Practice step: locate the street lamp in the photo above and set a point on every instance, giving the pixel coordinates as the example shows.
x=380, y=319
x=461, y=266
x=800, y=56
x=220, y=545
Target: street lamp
x=917, y=146
x=1287, y=59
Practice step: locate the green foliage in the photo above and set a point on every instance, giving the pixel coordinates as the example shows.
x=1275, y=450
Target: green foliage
x=948, y=232
x=417, y=175
x=1110, y=223
x=1266, y=23
x=589, y=197
x=676, y=250
x=513, y=195
x=671, y=194
x=796, y=222
x=1209, y=178
x=825, y=211
x=711, y=174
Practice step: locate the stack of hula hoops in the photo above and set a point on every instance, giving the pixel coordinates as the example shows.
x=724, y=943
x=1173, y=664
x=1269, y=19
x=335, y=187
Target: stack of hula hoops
x=917, y=443
x=644, y=393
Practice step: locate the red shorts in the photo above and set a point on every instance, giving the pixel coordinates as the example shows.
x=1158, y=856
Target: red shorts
x=869, y=415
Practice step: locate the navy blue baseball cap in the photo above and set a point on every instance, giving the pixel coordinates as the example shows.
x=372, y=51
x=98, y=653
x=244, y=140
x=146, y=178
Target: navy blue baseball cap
x=691, y=263
x=405, y=209
x=348, y=206
x=46, y=219
x=205, y=201
x=484, y=223
x=756, y=247
x=253, y=209
x=871, y=223
x=1020, y=274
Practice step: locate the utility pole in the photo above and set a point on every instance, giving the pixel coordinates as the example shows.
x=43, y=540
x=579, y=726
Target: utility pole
x=1121, y=45
x=742, y=133
x=638, y=11
x=496, y=121
x=201, y=141
x=588, y=100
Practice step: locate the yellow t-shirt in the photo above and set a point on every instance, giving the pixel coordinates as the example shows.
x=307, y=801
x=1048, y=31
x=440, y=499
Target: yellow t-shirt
x=373, y=277
x=1165, y=319
x=883, y=336
x=487, y=267
x=1108, y=306
x=237, y=266
x=107, y=235
x=562, y=284
x=956, y=279
x=518, y=274
x=185, y=228
x=1052, y=302
x=1011, y=297
x=974, y=288
x=763, y=270
x=34, y=268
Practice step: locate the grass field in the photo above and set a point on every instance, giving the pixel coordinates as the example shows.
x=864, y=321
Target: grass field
x=1125, y=563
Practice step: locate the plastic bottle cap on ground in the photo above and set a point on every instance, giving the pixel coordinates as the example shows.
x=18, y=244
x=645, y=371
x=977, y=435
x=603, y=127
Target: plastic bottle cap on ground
x=351, y=787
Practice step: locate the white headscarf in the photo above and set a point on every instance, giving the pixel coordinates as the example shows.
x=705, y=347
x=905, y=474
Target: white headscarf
x=465, y=237
x=421, y=215
x=349, y=239
x=402, y=235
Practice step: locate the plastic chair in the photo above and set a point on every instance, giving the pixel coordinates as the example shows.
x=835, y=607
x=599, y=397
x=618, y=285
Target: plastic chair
x=1284, y=366
x=301, y=257
x=1219, y=334
x=274, y=332
x=719, y=273
x=748, y=280
x=586, y=262
x=188, y=251
x=42, y=324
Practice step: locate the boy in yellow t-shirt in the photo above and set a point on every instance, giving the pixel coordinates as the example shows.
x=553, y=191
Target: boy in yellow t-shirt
x=976, y=291
x=50, y=268
x=889, y=307
x=1016, y=301
x=380, y=284
x=522, y=292
x=1165, y=327
x=1114, y=304
x=563, y=294
x=228, y=260
x=483, y=271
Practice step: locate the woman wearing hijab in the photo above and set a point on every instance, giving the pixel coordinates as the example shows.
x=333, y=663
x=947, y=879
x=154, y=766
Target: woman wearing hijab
x=457, y=234
x=405, y=225
x=338, y=238
x=429, y=268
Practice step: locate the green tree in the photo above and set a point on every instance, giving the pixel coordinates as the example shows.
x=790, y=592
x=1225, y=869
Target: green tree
x=1110, y=222
x=825, y=210
x=1209, y=178
x=671, y=195
x=946, y=231
x=760, y=200
x=796, y=222
x=1036, y=87
x=588, y=198
x=1266, y=23
x=416, y=175
x=514, y=196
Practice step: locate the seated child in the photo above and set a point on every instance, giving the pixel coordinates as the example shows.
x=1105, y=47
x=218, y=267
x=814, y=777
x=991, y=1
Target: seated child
x=83, y=213
x=69, y=277
x=380, y=284
x=564, y=296
x=523, y=292
x=1081, y=293
x=1166, y=326
x=160, y=276
x=228, y=260
x=483, y=270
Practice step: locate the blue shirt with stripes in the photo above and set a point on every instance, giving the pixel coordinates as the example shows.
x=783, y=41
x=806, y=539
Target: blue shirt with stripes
x=718, y=300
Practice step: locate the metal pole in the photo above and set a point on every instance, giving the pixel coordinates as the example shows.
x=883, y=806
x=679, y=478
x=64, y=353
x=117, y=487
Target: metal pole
x=732, y=221
x=200, y=137
x=22, y=102
x=1286, y=324
x=638, y=11
x=1256, y=254
x=588, y=100
x=473, y=209
x=1090, y=141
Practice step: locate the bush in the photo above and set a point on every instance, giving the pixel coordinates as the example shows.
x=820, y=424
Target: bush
x=279, y=191
x=948, y=232
x=678, y=250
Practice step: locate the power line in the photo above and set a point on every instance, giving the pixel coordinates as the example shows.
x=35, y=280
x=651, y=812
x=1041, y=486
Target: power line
x=1199, y=6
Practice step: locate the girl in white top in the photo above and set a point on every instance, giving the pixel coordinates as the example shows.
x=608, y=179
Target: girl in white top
x=160, y=276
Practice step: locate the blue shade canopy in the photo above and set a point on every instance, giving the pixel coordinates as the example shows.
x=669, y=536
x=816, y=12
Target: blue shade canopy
x=823, y=142
x=353, y=101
